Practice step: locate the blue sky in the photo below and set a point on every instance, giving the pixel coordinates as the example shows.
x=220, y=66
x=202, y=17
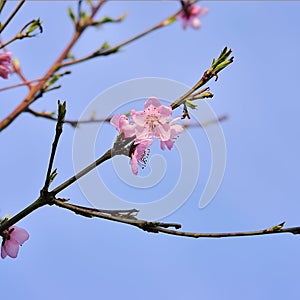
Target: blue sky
x=70, y=257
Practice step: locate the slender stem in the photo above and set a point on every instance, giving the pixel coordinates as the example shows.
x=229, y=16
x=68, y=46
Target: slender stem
x=22, y=214
x=109, y=154
x=293, y=230
x=12, y=15
x=158, y=227
x=73, y=123
x=118, y=46
x=58, y=132
x=28, y=82
x=10, y=41
x=88, y=212
x=2, y=3
x=218, y=65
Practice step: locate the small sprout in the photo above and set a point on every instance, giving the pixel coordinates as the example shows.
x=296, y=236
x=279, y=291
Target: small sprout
x=169, y=21
x=30, y=28
x=61, y=111
x=104, y=46
x=108, y=19
x=276, y=227
x=70, y=56
x=53, y=175
x=71, y=15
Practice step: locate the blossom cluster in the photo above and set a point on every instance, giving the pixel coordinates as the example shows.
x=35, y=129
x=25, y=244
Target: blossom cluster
x=153, y=122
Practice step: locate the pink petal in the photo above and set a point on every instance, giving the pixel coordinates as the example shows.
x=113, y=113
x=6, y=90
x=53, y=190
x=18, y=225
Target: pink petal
x=168, y=143
x=141, y=132
x=165, y=111
x=19, y=235
x=4, y=71
x=195, y=23
x=203, y=11
x=139, y=117
x=194, y=10
x=5, y=57
x=152, y=101
x=3, y=252
x=11, y=248
x=115, y=121
x=128, y=130
x=164, y=132
x=176, y=129
x=134, y=165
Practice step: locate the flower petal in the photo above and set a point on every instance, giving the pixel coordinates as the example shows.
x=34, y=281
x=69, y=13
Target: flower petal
x=139, y=117
x=11, y=248
x=3, y=252
x=19, y=235
x=152, y=101
x=115, y=121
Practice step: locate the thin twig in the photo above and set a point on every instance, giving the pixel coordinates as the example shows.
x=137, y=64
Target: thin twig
x=107, y=155
x=2, y=4
x=73, y=123
x=28, y=82
x=12, y=15
x=121, y=44
x=218, y=65
x=90, y=212
x=159, y=227
x=58, y=132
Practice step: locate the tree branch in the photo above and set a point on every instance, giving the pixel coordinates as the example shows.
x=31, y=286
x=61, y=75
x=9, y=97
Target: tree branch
x=34, y=90
x=12, y=15
x=160, y=227
x=114, y=49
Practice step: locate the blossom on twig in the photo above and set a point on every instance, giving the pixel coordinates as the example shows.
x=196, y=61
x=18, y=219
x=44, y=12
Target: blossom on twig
x=5, y=62
x=13, y=237
x=190, y=16
x=153, y=122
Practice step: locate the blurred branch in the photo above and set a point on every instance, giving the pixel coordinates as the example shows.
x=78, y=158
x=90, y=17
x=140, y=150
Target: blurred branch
x=28, y=82
x=73, y=123
x=2, y=4
x=106, y=50
x=35, y=91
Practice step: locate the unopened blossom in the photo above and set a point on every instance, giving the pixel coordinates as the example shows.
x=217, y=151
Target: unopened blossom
x=153, y=121
x=13, y=237
x=123, y=125
x=5, y=63
x=191, y=15
x=176, y=129
x=140, y=154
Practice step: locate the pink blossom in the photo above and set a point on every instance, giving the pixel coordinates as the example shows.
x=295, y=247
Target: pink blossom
x=13, y=237
x=191, y=16
x=123, y=125
x=153, y=121
x=140, y=154
x=5, y=62
x=175, y=130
